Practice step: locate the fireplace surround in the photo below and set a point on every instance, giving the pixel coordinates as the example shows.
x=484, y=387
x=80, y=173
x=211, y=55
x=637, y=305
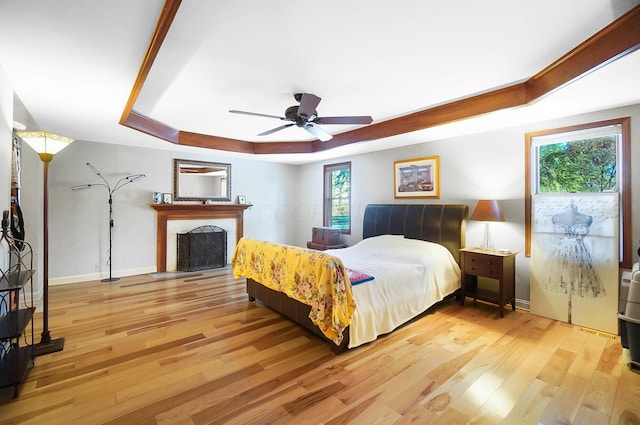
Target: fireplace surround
x=167, y=212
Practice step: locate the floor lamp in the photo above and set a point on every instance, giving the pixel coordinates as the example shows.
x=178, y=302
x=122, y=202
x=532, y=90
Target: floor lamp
x=123, y=181
x=46, y=145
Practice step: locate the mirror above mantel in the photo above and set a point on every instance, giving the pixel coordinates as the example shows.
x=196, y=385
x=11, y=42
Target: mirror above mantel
x=201, y=180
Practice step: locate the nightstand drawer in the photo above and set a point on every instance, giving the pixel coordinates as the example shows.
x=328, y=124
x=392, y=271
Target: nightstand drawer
x=484, y=271
x=483, y=265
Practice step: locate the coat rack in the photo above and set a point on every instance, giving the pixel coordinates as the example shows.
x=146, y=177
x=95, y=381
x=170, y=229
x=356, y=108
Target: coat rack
x=111, y=190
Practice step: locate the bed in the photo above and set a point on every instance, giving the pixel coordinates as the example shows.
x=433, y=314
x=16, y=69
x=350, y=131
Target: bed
x=391, y=259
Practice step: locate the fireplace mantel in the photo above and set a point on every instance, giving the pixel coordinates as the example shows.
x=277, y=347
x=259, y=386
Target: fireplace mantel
x=166, y=212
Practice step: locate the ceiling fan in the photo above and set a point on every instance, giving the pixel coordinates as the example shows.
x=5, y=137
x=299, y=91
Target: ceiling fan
x=305, y=116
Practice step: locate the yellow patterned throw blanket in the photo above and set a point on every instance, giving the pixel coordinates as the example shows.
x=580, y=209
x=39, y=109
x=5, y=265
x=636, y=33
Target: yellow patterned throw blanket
x=314, y=278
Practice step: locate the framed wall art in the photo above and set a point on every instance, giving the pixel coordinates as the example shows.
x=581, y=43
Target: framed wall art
x=574, y=258
x=157, y=197
x=417, y=177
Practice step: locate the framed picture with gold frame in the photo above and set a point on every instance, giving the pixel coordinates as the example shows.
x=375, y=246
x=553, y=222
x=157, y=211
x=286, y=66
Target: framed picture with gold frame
x=417, y=177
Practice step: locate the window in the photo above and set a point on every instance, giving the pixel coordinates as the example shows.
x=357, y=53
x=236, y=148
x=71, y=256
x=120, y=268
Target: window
x=592, y=157
x=337, y=196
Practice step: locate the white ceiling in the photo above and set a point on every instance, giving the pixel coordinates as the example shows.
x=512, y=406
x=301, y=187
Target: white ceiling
x=73, y=63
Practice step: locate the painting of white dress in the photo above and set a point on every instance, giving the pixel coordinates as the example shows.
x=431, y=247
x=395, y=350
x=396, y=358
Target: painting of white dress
x=574, y=259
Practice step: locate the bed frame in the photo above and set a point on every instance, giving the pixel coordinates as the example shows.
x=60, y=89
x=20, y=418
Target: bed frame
x=441, y=223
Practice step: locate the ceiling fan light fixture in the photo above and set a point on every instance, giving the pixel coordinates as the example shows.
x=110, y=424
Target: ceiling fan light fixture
x=322, y=135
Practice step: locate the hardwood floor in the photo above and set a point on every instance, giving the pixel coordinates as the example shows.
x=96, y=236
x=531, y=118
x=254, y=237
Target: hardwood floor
x=193, y=350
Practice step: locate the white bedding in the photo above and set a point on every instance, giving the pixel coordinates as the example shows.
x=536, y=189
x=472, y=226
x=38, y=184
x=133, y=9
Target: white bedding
x=409, y=276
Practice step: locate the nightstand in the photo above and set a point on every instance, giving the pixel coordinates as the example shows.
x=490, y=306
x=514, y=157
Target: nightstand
x=320, y=247
x=325, y=238
x=499, y=265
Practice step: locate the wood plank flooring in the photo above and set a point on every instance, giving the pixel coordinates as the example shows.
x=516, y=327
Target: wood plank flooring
x=192, y=350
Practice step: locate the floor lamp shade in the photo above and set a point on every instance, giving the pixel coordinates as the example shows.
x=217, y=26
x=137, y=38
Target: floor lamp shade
x=46, y=145
x=487, y=210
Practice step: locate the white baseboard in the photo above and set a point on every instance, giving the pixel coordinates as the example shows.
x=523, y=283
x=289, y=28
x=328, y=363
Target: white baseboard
x=523, y=304
x=99, y=276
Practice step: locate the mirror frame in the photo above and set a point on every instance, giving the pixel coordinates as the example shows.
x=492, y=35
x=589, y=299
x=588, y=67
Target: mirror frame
x=176, y=180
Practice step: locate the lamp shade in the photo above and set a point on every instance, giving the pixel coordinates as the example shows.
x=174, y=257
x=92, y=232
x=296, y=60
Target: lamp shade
x=45, y=143
x=487, y=210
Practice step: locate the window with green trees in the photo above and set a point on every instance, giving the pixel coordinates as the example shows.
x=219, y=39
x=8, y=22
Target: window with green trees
x=587, y=165
x=593, y=157
x=337, y=196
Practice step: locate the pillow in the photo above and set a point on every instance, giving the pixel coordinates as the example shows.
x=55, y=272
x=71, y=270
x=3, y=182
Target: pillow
x=356, y=277
x=397, y=248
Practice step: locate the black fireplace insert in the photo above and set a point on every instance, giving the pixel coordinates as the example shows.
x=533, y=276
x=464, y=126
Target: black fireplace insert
x=202, y=248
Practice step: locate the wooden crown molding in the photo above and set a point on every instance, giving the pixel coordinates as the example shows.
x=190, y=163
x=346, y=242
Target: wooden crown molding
x=139, y=121
x=616, y=40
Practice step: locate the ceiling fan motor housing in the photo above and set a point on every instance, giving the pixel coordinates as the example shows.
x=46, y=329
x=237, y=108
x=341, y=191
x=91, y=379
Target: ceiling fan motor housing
x=291, y=114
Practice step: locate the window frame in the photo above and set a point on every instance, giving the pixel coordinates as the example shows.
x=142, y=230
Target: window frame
x=624, y=181
x=327, y=191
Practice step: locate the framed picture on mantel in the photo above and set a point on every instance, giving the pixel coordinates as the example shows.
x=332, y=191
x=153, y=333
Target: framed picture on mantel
x=157, y=197
x=167, y=198
x=417, y=178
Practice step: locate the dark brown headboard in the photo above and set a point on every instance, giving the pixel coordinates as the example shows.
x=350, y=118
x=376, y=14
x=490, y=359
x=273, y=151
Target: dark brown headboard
x=441, y=223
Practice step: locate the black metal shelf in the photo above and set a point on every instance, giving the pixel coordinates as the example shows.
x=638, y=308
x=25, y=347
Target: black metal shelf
x=11, y=281
x=17, y=345
x=14, y=323
x=15, y=365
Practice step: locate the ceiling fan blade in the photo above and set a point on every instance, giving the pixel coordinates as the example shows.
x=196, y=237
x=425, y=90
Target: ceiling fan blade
x=273, y=130
x=308, y=104
x=318, y=132
x=233, y=111
x=362, y=119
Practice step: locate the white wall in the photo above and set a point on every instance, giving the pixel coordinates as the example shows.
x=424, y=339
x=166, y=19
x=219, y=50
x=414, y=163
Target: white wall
x=480, y=166
x=6, y=127
x=78, y=229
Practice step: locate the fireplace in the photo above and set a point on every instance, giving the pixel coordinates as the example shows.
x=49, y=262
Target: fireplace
x=171, y=212
x=203, y=248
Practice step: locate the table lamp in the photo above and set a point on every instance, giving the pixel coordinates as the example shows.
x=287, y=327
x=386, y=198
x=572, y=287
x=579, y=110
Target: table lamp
x=487, y=210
